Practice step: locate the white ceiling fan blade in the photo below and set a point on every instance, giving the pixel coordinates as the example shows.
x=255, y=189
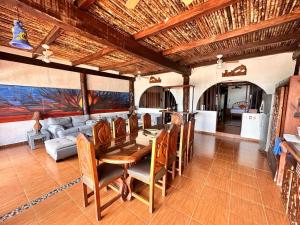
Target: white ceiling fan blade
x=187, y=2
x=130, y=4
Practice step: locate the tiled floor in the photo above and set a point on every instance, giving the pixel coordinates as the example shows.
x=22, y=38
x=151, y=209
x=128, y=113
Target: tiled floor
x=227, y=182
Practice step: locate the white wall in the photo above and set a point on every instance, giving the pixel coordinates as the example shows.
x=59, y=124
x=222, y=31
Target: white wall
x=264, y=71
x=206, y=121
x=236, y=95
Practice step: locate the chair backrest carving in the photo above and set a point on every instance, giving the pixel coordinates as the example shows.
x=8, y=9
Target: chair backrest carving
x=177, y=119
x=87, y=161
x=159, y=157
x=173, y=140
x=133, y=124
x=102, y=135
x=146, y=121
x=119, y=127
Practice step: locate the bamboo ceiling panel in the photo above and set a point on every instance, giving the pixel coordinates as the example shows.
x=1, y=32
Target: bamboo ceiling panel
x=145, y=14
x=283, y=31
x=236, y=16
x=72, y=46
x=249, y=51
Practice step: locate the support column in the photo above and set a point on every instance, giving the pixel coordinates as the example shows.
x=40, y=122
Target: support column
x=186, y=93
x=83, y=87
x=131, y=95
x=296, y=71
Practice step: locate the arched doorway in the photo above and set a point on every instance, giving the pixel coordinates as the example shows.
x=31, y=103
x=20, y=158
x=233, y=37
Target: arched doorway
x=157, y=97
x=231, y=100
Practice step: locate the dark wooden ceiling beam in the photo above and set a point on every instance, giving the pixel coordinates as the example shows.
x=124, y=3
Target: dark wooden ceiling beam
x=67, y=16
x=250, y=45
x=235, y=33
x=36, y=62
x=247, y=56
x=197, y=11
x=54, y=33
x=84, y=4
x=119, y=65
x=93, y=56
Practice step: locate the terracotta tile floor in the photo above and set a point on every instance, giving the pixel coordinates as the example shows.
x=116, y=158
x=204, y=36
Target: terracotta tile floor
x=227, y=182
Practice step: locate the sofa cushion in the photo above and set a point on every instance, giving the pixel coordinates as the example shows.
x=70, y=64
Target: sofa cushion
x=63, y=121
x=73, y=131
x=79, y=120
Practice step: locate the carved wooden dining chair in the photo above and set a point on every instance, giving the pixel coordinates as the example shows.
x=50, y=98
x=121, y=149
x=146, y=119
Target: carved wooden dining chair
x=151, y=170
x=181, y=153
x=119, y=128
x=177, y=118
x=96, y=177
x=102, y=135
x=173, y=140
x=146, y=121
x=133, y=124
x=190, y=139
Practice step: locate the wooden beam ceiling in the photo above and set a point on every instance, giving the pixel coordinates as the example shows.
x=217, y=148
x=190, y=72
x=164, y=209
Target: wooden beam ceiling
x=36, y=62
x=246, y=56
x=119, y=65
x=93, y=56
x=235, y=33
x=84, y=4
x=50, y=38
x=197, y=11
x=231, y=50
x=70, y=18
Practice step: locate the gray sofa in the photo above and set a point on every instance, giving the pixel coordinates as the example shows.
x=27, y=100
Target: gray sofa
x=68, y=126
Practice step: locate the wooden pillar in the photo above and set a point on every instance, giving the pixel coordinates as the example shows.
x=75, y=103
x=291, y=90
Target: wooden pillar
x=296, y=71
x=131, y=96
x=186, y=93
x=83, y=86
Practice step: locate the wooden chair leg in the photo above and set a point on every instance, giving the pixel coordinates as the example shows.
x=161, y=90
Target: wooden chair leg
x=97, y=204
x=164, y=185
x=173, y=169
x=151, y=197
x=85, y=197
x=180, y=165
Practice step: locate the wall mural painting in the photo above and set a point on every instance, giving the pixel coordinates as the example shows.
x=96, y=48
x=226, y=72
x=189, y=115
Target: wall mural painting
x=19, y=102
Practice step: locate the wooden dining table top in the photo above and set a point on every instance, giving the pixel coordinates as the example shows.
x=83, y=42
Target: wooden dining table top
x=129, y=149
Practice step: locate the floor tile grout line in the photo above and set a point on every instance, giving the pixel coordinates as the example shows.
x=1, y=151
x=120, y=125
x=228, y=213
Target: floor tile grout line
x=32, y=203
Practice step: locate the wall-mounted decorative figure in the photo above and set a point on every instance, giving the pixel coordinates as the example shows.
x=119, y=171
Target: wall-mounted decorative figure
x=154, y=80
x=238, y=71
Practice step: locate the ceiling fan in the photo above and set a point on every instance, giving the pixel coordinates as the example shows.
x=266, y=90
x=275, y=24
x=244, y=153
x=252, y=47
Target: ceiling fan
x=46, y=53
x=130, y=4
x=220, y=61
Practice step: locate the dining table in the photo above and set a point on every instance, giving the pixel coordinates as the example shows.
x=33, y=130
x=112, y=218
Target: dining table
x=128, y=150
